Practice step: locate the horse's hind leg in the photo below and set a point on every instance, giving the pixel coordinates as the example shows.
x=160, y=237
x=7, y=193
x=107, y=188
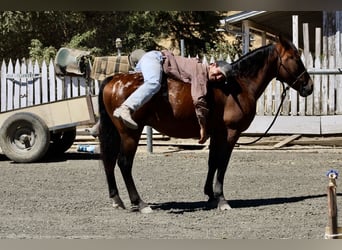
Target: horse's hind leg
x=109, y=152
x=125, y=162
x=113, y=189
x=110, y=145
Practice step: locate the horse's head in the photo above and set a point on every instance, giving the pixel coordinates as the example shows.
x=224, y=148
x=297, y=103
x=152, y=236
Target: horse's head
x=291, y=68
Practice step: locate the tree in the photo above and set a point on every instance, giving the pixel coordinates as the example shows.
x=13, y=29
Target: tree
x=50, y=28
x=41, y=33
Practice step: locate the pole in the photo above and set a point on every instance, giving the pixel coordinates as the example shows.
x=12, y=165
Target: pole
x=332, y=229
x=182, y=47
x=149, y=142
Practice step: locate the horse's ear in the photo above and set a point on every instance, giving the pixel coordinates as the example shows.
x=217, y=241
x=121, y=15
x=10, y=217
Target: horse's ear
x=285, y=42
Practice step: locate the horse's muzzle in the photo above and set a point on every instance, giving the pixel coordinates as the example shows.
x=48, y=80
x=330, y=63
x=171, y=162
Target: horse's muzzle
x=306, y=89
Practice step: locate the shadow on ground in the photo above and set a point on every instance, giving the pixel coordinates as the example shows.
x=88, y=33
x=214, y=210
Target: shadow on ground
x=183, y=207
x=59, y=158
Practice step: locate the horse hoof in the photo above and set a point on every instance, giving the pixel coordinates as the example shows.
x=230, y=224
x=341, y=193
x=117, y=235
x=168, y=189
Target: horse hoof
x=224, y=207
x=146, y=210
x=117, y=205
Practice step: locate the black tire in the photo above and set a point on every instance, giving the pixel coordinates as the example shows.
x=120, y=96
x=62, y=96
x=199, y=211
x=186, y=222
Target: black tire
x=61, y=141
x=24, y=137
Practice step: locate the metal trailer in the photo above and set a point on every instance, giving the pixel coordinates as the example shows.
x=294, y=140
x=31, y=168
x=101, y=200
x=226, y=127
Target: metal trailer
x=28, y=134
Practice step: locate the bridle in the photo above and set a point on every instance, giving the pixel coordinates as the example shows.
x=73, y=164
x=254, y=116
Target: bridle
x=287, y=70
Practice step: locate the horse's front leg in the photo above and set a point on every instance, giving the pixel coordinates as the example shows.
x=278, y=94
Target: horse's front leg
x=125, y=163
x=219, y=156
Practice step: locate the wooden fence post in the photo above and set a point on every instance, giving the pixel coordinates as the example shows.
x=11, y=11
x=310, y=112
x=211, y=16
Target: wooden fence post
x=332, y=231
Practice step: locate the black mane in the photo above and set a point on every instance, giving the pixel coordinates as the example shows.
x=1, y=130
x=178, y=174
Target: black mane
x=252, y=62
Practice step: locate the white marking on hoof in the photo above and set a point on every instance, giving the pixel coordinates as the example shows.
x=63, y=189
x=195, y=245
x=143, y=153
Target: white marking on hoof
x=117, y=206
x=146, y=210
x=224, y=207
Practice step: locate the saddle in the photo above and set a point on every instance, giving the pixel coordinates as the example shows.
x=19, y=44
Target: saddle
x=72, y=62
x=77, y=62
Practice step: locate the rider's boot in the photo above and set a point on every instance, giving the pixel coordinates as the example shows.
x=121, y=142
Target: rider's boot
x=124, y=113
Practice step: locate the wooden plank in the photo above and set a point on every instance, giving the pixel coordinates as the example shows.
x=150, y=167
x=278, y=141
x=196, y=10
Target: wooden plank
x=96, y=87
x=302, y=100
x=293, y=93
x=313, y=125
x=324, y=93
x=30, y=82
x=330, y=141
x=338, y=84
x=59, y=89
x=306, y=41
x=277, y=96
x=268, y=100
x=310, y=99
x=61, y=114
x=75, y=86
x=83, y=87
x=295, y=30
x=52, y=82
x=331, y=86
x=286, y=125
x=261, y=105
x=317, y=78
x=23, y=85
x=331, y=124
x=67, y=87
x=95, y=103
x=16, y=85
x=294, y=102
x=45, y=87
x=285, y=110
x=37, y=85
x=286, y=141
x=10, y=87
x=329, y=236
x=3, y=87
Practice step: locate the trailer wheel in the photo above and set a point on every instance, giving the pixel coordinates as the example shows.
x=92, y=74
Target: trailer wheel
x=24, y=137
x=61, y=141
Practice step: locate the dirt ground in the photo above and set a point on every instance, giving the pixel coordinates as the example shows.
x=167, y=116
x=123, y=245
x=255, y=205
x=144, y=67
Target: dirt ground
x=275, y=194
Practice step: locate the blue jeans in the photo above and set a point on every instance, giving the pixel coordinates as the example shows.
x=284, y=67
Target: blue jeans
x=150, y=65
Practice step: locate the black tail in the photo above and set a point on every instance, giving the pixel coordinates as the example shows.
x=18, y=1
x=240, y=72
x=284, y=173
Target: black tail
x=108, y=134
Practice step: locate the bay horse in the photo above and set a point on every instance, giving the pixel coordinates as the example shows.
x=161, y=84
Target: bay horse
x=171, y=112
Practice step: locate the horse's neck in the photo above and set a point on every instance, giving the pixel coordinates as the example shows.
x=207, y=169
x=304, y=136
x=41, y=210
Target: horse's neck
x=265, y=76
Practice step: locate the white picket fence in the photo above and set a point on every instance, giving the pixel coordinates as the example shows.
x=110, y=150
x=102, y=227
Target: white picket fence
x=27, y=84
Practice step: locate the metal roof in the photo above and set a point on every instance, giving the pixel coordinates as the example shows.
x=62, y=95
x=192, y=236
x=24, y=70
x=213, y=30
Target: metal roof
x=277, y=22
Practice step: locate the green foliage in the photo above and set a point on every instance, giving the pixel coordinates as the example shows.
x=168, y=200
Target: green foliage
x=39, y=34
x=226, y=49
x=80, y=41
x=40, y=53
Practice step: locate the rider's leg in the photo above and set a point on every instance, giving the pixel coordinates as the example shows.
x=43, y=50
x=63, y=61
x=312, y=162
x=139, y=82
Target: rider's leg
x=150, y=66
x=202, y=111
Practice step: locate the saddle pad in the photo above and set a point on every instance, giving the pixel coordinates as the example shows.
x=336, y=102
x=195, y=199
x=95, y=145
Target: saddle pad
x=108, y=66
